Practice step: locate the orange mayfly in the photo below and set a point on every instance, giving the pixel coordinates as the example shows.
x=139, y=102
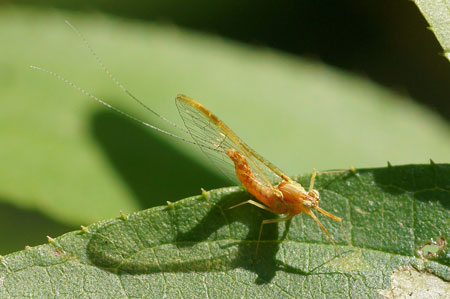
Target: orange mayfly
x=254, y=172
x=232, y=156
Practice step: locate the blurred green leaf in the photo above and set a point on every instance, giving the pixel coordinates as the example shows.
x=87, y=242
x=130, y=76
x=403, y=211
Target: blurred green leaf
x=437, y=13
x=198, y=248
x=76, y=162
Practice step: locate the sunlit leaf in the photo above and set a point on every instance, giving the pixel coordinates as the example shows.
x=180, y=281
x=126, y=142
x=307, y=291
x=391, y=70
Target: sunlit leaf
x=198, y=248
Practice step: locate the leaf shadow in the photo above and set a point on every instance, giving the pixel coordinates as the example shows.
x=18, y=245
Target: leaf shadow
x=154, y=171
x=420, y=198
x=240, y=253
x=210, y=246
x=428, y=183
x=147, y=164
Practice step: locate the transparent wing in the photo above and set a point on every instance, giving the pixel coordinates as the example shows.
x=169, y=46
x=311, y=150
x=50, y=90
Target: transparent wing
x=214, y=138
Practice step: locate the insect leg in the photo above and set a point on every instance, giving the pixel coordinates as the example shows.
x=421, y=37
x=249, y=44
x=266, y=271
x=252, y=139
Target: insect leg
x=267, y=221
x=252, y=202
x=352, y=169
x=315, y=173
x=311, y=214
x=322, y=211
x=313, y=179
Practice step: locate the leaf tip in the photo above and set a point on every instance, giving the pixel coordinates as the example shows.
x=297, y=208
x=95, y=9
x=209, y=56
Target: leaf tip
x=389, y=165
x=445, y=53
x=204, y=193
x=432, y=162
x=123, y=216
x=51, y=240
x=84, y=229
x=169, y=204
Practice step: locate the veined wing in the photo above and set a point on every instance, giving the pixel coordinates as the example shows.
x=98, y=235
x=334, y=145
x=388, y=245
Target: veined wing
x=214, y=138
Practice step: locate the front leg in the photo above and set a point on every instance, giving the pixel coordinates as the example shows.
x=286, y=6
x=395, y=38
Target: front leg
x=313, y=180
x=315, y=173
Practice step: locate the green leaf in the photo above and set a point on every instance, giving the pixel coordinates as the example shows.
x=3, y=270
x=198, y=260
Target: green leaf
x=437, y=13
x=198, y=248
x=70, y=159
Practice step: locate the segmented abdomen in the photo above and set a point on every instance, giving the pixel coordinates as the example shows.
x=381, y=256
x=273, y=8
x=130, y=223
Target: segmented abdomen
x=253, y=184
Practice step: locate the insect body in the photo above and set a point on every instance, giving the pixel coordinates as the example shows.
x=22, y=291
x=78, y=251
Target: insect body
x=253, y=171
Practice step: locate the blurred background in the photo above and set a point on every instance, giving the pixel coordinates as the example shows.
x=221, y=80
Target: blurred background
x=306, y=84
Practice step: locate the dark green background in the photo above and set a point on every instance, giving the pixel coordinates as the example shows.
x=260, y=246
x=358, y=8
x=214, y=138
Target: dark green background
x=384, y=40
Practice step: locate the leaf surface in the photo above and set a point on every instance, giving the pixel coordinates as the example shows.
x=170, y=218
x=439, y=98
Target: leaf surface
x=437, y=13
x=197, y=247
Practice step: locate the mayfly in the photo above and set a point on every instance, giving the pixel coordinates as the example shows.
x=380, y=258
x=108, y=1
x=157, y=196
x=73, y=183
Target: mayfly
x=232, y=156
